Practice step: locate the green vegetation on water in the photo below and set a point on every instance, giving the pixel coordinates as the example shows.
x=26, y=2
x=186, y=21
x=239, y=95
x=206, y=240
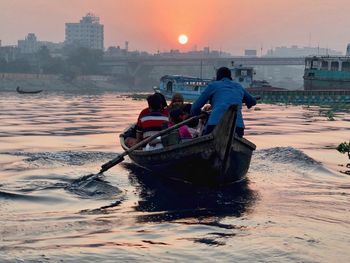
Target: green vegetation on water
x=344, y=148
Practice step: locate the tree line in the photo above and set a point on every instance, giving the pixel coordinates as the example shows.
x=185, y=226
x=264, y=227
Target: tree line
x=73, y=62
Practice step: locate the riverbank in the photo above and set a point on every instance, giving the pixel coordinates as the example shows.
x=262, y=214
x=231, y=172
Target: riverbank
x=56, y=83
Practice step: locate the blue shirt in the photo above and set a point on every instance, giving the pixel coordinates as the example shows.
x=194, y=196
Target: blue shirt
x=221, y=94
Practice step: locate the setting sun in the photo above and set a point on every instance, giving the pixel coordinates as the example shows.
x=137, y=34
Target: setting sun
x=183, y=39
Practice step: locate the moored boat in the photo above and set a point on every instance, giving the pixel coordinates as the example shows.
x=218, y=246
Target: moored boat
x=327, y=73
x=217, y=158
x=20, y=91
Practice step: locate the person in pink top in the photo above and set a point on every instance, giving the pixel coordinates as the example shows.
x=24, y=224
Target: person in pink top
x=177, y=116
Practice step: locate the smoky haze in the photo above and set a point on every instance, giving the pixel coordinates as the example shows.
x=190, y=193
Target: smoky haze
x=153, y=25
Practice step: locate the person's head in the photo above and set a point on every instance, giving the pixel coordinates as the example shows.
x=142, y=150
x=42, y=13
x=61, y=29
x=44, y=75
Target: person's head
x=154, y=102
x=177, y=116
x=162, y=99
x=187, y=108
x=223, y=72
x=177, y=100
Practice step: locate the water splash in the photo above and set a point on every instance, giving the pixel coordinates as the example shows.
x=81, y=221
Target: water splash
x=93, y=187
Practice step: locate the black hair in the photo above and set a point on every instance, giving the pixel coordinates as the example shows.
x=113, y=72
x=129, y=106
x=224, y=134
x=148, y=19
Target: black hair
x=154, y=102
x=223, y=72
x=175, y=115
x=162, y=99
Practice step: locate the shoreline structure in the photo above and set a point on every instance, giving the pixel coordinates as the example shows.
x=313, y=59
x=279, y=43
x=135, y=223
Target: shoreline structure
x=101, y=83
x=56, y=83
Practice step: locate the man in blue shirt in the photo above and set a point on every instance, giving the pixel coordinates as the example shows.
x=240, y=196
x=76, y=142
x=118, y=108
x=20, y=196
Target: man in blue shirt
x=221, y=94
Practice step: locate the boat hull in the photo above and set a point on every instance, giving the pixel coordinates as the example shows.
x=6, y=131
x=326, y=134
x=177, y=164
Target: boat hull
x=311, y=83
x=28, y=92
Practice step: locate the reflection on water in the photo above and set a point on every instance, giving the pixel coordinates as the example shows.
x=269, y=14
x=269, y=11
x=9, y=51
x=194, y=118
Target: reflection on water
x=169, y=200
x=294, y=208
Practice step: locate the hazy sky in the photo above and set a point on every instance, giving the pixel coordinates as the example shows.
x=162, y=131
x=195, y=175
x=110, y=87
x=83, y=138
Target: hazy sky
x=230, y=25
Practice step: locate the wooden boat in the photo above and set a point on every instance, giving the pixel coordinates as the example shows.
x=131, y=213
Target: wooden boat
x=217, y=158
x=20, y=91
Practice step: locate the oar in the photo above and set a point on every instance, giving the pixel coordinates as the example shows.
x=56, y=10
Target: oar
x=121, y=156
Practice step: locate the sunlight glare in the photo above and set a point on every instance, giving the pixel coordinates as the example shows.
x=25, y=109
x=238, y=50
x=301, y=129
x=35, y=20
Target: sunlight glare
x=183, y=39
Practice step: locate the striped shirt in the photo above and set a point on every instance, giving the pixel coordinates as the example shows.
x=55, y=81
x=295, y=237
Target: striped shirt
x=151, y=122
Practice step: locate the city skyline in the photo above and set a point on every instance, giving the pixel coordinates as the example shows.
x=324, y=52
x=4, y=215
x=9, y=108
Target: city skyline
x=153, y=25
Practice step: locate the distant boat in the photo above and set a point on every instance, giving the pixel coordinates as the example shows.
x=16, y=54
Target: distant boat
x=327, y=73
x=20, y=91
x=259, y=86
x=192, y=87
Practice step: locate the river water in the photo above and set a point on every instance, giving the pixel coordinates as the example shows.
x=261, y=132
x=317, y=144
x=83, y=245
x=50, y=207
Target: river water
x=295, y=207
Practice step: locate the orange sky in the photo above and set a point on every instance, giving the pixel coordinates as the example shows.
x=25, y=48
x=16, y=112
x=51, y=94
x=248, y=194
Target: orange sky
x=230, y=25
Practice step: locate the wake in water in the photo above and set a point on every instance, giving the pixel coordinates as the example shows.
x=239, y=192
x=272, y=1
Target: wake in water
x=62, y=158
x=92, y=187
x=95, y=188
x=287, y=155
x=278, y=160
x=281, y=160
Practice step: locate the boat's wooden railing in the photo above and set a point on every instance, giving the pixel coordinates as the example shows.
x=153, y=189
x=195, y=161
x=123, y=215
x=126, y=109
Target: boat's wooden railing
x=224, y=135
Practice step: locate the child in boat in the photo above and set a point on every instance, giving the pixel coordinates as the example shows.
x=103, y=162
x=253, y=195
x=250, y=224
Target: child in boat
x=177, y=116
x=177, y=102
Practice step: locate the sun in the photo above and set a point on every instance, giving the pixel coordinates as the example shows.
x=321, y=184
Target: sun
x=183, y=39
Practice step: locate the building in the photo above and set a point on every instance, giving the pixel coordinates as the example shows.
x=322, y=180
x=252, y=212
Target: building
x=87, y=33
x=250, y=53
x=348, y=50
x=205, y=53
x=295, y=51
x=9, y=53
x=29, y=45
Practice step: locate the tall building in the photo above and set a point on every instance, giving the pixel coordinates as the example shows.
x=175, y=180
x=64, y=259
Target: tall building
x=87, y=33
x=29, y=45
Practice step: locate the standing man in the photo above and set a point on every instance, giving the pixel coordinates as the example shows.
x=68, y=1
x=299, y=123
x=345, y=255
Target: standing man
x=221, y=94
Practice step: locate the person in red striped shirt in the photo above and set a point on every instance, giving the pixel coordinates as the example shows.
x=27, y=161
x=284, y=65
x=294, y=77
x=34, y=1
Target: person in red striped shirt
x=150, y=121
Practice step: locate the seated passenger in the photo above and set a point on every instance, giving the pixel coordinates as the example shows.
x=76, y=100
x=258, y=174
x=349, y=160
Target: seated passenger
x=150, y=121
x=177, y=101
x=177, y=116
x=163, y=101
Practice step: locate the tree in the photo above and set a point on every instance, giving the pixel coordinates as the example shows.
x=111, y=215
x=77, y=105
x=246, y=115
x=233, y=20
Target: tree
x=85, y=59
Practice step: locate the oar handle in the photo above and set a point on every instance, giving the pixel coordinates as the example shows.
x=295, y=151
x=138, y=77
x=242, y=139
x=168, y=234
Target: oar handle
x=120, y=157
